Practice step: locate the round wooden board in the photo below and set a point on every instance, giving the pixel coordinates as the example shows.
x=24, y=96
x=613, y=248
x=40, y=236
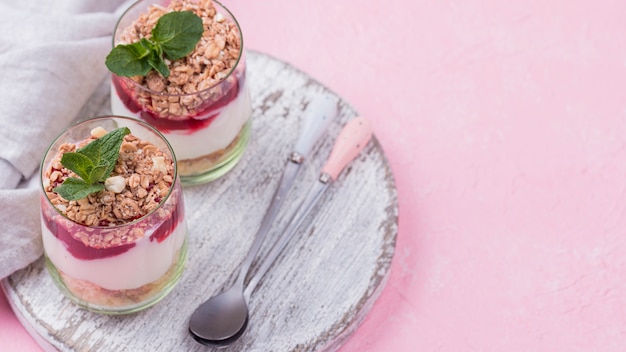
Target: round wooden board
x=318, y=291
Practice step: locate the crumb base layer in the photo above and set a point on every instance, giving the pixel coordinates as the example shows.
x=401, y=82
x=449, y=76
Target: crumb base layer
x=118, y=302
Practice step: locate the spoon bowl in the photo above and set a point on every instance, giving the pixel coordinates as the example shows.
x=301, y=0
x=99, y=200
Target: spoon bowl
x=220, y=318
x=222, y=343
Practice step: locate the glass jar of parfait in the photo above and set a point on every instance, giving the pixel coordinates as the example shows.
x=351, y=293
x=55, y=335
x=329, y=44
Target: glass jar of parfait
x=113, y=215
x=200, y=102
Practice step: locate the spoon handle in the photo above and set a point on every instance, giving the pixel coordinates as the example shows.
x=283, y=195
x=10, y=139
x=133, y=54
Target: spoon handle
x=319, y=113
x=351, y=141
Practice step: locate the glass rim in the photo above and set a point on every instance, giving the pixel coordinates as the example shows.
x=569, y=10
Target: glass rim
x=165, y=94
x=111, y=117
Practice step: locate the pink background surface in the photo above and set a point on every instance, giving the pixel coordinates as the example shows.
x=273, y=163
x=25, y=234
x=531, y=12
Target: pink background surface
x=505, y=126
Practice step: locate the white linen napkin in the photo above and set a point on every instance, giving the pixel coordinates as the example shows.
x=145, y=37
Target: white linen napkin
x=52, y=59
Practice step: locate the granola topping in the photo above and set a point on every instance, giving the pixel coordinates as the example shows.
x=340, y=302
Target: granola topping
x=216, y=54
x=142, y=177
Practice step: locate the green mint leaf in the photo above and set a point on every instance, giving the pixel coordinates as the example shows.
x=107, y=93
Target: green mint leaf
x=148, y=46
x=99, y=173
x=178, y=33
x=93, y=163
x=129, y=60
x=105, y=150
x=75, y=188
x=174, y=36
x=156, y=61
x=78, y=163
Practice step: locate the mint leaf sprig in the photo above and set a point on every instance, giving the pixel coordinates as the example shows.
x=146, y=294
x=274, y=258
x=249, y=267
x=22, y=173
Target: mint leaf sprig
x=93, y=163
x=174, y=36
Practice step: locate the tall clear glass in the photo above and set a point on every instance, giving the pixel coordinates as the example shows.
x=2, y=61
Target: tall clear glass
x=203, y=108
x=123, y=267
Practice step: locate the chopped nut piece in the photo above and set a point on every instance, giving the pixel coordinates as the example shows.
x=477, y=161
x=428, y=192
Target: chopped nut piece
x=115, y=184
x=98, y=132
x=158, y=165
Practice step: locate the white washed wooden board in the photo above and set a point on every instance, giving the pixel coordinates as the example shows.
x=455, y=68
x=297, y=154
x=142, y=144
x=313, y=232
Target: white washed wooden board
x=317, y=292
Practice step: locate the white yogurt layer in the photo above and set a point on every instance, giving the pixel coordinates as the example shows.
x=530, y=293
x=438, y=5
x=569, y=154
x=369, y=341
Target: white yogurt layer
x=217, y=135
x=146, y=262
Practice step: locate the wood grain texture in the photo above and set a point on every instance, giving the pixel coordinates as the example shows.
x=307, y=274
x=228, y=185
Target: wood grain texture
x=318, y=291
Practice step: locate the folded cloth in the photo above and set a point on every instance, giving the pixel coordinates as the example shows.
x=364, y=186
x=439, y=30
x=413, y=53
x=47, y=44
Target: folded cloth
x=52, y=59
x=20, y=243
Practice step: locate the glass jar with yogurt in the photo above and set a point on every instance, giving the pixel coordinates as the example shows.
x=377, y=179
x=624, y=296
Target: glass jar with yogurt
x=203, y=107
x=121, y=249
